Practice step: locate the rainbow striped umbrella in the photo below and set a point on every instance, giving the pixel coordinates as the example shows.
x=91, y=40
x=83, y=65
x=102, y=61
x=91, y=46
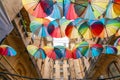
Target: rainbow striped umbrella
x=36, y=51
x=38, y=8
x=74, y=8
x=113, y=9
x=117, y=45
x=39, y=27
x=82, y=49
x=96, y=27
x=71, y=31
x=84, y=31
x=7, y=50
x=56, y=28
x=111, y=27
x=110, y=50
x=96, y=50
x=57, y=12
x=66, y=53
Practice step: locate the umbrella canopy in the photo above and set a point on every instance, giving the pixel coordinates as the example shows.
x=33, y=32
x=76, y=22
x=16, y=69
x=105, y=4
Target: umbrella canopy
x=84, y=31
x=38, y=8
x=110, y=50
x=7, y=50
x=76, y=53
x=96, y=49
x=39, y=27
x=54, y=29
x=113, y=9
x=111, y=26
x=53, y=53
x=66, y=53
x=96, y=28
x=95, y=9
x=83, y=47
x=71, y=31
x=75, y=8
x=117, y=45
x=63, y=24
x=36, y=51
x=57, y=12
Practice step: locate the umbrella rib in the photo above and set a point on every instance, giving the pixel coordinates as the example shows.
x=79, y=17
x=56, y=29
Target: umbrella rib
x=79, y=4
x=37, y=5
x=115, y=2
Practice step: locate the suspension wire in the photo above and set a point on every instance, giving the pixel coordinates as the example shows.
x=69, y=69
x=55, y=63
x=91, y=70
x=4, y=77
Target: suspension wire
x=50, y=79
x=20, y=76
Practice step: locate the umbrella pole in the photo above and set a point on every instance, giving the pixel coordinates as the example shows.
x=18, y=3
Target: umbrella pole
x=40, y=42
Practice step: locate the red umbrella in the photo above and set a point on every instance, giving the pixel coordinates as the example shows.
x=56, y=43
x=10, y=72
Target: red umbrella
x=75, y=9
x=96, y=28
x=38, y=8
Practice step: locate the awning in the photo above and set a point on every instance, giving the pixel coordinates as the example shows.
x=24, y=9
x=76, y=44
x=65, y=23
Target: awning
x=5, y=24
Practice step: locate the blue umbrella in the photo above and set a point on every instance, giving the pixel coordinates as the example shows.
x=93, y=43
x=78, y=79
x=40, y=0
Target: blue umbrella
x=110, y=50
x=96, y=50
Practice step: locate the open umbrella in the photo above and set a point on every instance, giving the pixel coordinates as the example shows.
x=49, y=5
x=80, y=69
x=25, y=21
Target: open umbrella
x=57, y=12
x=84, y=31
x=39, y=27
x=111, y=27
x=113, y=9
x=56, y=28
x=75, y=8
x=63, y=24
x=7, y=50
x=76, y=53
x=71, y=31
x=83, y=48
x=110, y=50
x=53, y=53
x=96, y=50
x=38, y=8
x=36, y=51
x=96, y=28
x=66, y=53
x=117, y=45
x=95, y=9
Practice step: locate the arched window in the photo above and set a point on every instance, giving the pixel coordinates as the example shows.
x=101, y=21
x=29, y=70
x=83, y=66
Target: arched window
x=113, y=69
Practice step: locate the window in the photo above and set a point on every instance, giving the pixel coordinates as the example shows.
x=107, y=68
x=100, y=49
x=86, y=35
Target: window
x=113, y=69
x=61, y=42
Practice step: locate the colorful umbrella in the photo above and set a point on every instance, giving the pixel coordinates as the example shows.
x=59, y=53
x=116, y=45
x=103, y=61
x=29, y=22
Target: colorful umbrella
x=96, y=49
x=117, y=45
x=36, y=51
x=75, y=8
x=76, y=53
x=113, y=9
x=83, y=47
x=57, y=12
x=77, y=22
x=39, y=27
x=96, y=28
x=84, y=31
x=88, y=14
x=111, y=26
x=66, y=53
x=52, y=53
x=95, y=9
x=7, y=50
x=54, y=29
x=71, y=31
x=110, y=50
x=38, y=8
x=63, y=24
